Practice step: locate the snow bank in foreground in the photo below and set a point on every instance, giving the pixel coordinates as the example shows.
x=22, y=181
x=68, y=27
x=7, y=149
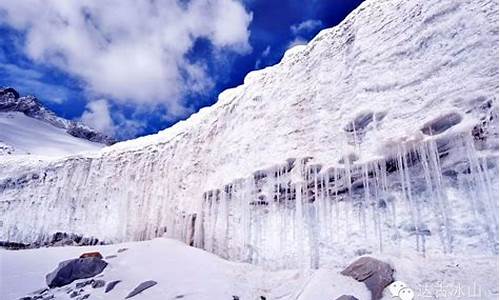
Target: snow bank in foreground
x=196, y=274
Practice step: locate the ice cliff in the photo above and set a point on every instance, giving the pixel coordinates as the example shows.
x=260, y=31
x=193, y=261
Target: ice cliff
x=379, y=135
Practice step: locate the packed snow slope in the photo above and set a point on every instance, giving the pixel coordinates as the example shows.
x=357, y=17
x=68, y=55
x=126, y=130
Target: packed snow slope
x=192, y=274
x=27, y=127
x=20, y=135
x=381, y=134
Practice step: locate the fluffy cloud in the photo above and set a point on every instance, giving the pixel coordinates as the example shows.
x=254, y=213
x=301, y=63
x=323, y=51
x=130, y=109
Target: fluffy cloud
x=133, y=51
x=98, y=115
x=305, y=27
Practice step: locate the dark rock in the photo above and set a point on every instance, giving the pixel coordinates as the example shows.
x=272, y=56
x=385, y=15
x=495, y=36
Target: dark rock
x=111, y=256
x=74, y=269
x=25, y=298
x=79, y=130
x=83, y=284
x=236, y=298
x=347, y=297
x=83, y=297
x=141, y=287
x=111, y=285
x=262, y=298
x=74, y=294
x=40, y=291
x=441, y=124
x=9, y=92
x=13, y=245
x=360, y=122
x=122, y=250
x=99, y=283
x=375, y=274
x=91, y=254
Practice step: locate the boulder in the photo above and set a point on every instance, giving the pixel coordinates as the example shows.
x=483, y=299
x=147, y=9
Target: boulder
x=347, y=297
x=74, y=269
x=91, y=254
x=141, y=287
x=375, y=274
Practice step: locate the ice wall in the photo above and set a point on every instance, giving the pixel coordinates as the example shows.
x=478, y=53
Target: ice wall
x=436, y=196
x=391, y=121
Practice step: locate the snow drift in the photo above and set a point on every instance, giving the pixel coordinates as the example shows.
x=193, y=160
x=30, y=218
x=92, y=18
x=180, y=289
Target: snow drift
x=379, y=135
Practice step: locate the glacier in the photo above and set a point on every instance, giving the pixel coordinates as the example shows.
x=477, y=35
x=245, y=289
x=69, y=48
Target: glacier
x=379, y=135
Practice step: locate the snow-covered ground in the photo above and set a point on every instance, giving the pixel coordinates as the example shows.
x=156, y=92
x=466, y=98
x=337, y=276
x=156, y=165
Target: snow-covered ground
x=195, y=274
x=21, y=135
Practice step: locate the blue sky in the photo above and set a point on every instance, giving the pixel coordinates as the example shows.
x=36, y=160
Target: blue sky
x=131, y=68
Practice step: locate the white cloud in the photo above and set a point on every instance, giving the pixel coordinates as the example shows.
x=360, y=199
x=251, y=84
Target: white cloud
x=130, y=50
x=97, y=115
x=305, y=27
x=266, y=51
x=296, y=41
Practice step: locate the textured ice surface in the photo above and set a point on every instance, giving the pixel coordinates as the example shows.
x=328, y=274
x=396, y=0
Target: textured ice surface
x=327, y=153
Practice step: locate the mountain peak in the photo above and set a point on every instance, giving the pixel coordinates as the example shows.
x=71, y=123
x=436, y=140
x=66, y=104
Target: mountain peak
x=11, y=101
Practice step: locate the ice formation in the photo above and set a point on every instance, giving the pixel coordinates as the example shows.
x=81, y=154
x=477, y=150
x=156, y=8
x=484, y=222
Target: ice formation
x=380, y=135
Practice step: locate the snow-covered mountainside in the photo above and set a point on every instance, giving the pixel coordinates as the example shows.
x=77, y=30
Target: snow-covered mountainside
x=379, y=136
x=27, y=127
x=20, y=134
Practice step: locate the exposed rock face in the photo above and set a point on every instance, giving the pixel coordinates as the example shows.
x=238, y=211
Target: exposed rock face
x=31, y=107
x=74, y=269
x=54, y=240
x=375, y=274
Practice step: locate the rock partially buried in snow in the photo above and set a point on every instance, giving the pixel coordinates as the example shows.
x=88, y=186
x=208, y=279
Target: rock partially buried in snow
x=111, y=285
x=375, y=274
x=141, y=287
x=74, y=269
x=91, y=254
x=98, y=283
x=347, y=297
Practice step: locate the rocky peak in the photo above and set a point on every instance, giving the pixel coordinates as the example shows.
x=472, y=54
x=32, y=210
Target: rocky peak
x=10, y=101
